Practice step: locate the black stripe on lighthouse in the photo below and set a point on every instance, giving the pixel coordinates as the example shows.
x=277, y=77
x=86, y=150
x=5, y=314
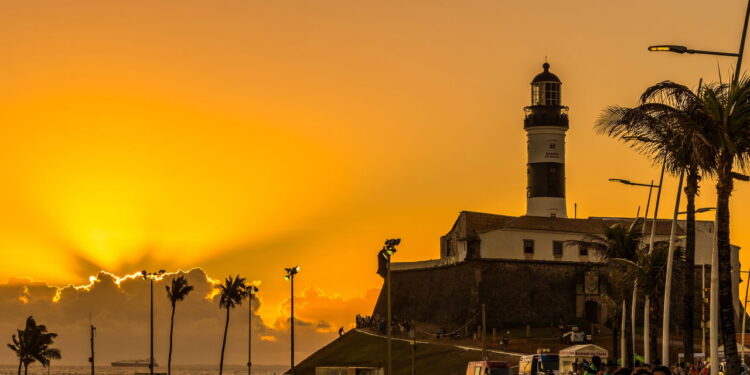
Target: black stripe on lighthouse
x=546, y=180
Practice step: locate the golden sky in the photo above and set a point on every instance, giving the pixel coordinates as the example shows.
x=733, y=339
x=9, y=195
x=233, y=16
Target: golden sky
x=244, y=136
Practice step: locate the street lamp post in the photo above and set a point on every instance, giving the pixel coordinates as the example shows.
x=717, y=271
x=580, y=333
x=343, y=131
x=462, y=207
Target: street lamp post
x=634, y=302
x=290, y=272
x=150, y=276
x=251, y=290
x=389, y=248
x=714, y=324
x=646, y=301
x=668, y=277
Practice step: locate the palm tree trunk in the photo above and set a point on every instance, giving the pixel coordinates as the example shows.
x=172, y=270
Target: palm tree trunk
x=20, y=363
x=691, y=190
x=616, y=337
x=224, y=343
x=25, y=369
x=629, y=348
x=654, y=344
x=724, y=189
x=171, y=333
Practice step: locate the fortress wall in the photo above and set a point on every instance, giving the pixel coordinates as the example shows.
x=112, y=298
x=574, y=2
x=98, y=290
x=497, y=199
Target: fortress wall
x=515, y=292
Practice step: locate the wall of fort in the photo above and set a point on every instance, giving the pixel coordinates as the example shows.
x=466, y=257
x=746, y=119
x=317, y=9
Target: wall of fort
x=514, y=292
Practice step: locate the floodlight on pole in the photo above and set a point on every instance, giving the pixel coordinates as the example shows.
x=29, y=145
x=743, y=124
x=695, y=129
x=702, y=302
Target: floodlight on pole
x=389, y=248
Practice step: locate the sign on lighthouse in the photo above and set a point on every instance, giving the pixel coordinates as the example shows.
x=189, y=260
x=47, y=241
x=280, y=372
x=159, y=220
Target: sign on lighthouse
x=546, y=123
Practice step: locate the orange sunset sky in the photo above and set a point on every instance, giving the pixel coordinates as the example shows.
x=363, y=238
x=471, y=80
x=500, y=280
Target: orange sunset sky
x=245, y=136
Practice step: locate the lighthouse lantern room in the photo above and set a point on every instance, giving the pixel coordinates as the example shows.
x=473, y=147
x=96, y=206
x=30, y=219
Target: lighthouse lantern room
x=546, y=123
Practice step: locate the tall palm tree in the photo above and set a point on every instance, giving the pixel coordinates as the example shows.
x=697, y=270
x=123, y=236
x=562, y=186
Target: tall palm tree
x=177, y=292
x=728, y=108
x=670, y=125
x=231, y=293
x=618, y=241
x=32, y=344
x=722, y=113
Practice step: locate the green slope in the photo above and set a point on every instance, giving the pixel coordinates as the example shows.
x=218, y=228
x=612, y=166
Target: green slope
x=360, y=349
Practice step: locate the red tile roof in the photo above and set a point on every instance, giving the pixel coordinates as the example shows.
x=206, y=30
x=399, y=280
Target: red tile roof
x=480, y=222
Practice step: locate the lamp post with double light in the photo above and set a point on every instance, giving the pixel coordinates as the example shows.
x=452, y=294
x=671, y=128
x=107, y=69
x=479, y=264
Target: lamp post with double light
x=151, y=276
x=290, y=272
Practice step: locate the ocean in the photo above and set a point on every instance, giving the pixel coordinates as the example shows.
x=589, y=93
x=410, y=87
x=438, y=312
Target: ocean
x=176, y=370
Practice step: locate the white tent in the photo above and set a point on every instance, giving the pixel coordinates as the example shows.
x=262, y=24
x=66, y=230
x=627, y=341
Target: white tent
x=569, y=355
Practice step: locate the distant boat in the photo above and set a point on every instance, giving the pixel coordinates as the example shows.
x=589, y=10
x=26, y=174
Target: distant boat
x=133, y=363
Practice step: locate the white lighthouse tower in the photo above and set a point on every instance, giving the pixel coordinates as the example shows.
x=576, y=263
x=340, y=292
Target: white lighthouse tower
x=546, y=123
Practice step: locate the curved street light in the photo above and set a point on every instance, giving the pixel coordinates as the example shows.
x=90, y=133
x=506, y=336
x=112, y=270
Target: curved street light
x=683, y=49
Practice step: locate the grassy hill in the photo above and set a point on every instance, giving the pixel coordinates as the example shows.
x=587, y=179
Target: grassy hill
x=362, y=349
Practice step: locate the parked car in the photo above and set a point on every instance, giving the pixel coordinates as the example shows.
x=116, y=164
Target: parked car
x=488, y=368
x=542, y=363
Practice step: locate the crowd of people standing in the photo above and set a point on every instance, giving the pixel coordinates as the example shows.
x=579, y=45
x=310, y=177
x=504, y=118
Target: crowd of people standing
x=598, y=367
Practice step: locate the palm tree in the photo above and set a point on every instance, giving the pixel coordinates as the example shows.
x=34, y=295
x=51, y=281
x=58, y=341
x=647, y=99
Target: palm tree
x=669, y=125
x=32, y=344
x=618, y=241
x=648, y=273
x=722, y=140
x=231, y=294
x=177, y=292
x=727, y=107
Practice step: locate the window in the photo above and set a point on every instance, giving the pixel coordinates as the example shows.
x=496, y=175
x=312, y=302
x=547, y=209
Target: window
x=552, y=146
x=557, y=249
x=551, y=93
x=583, y=250
x=528, y=246
x=535, y=94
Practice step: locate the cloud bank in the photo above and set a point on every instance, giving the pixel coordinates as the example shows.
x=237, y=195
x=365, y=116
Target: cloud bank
x=119, y=308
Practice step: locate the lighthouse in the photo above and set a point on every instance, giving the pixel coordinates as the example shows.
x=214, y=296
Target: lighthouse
x=546, y=122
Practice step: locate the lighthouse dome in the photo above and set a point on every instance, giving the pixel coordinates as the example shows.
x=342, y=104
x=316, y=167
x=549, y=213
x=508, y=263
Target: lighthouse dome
x=545, y=76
